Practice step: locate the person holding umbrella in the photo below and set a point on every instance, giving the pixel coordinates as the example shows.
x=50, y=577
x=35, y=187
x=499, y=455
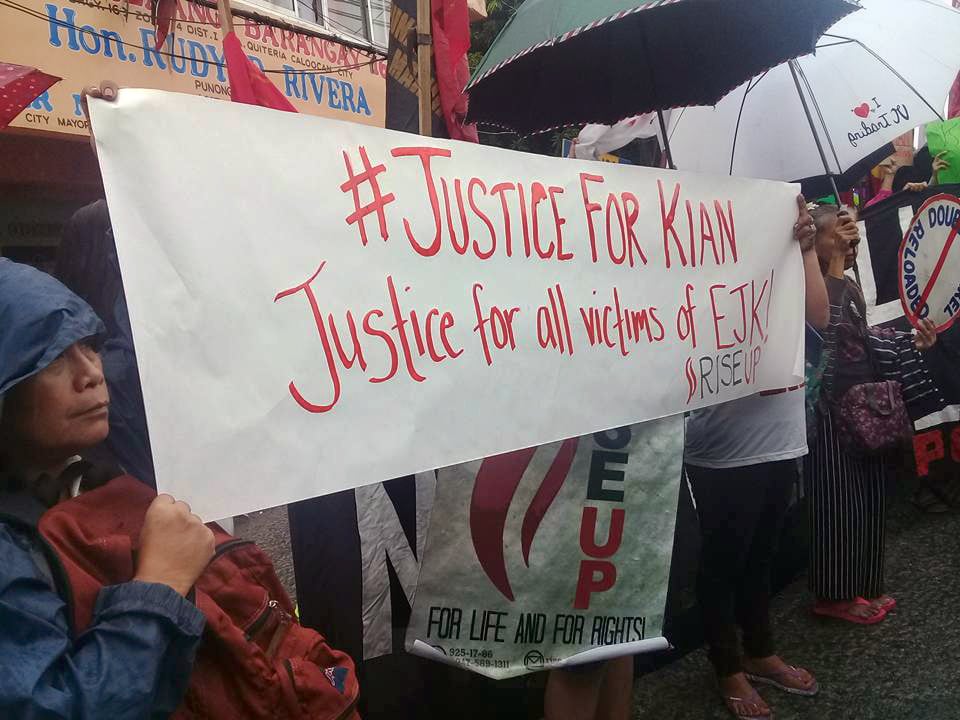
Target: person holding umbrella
x=847, y=483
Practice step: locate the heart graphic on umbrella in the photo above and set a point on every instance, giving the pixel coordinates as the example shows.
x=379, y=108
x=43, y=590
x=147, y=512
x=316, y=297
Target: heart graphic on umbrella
x=862, y=110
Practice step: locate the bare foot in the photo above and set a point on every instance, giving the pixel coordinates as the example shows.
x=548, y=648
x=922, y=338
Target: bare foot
x=776, y=669
x=884, y=602
x=740, y=697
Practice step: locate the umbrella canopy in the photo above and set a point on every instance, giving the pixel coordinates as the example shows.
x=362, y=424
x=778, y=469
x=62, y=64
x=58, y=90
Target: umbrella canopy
x=564, y=62
x=19, y=86
x=876, y=74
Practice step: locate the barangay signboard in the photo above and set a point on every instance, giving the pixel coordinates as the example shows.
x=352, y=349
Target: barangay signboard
x=84, y=41
x=929, y=263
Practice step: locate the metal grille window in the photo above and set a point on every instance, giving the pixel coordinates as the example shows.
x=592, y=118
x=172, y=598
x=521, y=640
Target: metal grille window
x=281, y=4
x=348, y=16
x=364, y=19
x=311, y=10
x=379, y=22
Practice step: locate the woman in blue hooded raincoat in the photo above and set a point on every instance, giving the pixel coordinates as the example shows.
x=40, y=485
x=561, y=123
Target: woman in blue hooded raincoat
x=135, y=659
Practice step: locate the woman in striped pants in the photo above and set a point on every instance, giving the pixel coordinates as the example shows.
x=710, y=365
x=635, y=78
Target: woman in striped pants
x=846, y=491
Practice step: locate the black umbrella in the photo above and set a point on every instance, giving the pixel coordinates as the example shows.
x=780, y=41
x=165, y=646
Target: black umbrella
x=566, y=62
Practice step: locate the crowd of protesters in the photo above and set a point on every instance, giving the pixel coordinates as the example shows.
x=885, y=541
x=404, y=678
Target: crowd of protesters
x=71, y=410
x=743, y=458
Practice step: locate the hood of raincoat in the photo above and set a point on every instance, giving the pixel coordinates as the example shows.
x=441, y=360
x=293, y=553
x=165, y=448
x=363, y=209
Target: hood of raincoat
x=39, y=319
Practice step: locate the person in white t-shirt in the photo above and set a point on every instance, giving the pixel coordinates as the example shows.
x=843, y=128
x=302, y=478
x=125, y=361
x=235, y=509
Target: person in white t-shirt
x=741, y=460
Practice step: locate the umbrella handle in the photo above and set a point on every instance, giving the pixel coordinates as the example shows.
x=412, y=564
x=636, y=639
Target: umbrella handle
x=666, y=140
x=813, y=128
x=653, y=83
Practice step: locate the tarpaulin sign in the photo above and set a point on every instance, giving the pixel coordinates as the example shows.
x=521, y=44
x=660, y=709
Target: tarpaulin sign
x=319, y=305
x=930, y=263
x=551, y=556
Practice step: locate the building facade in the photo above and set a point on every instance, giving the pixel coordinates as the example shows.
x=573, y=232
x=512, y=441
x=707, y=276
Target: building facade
x=326, y=56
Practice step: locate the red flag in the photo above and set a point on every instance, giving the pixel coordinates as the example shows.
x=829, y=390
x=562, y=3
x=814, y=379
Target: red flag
x=953, y=109
x=248, y=83
x=163, y=13
x=19, y=86
x=451, y=41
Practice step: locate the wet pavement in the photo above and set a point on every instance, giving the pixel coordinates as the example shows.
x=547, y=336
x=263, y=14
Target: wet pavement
x=903, y=668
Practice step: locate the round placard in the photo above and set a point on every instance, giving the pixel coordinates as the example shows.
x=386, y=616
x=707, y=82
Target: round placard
x=929, y=263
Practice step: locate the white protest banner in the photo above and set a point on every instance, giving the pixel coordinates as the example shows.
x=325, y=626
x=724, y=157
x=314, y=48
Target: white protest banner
x=929, y=263
x=551, y=556
x=318, y=305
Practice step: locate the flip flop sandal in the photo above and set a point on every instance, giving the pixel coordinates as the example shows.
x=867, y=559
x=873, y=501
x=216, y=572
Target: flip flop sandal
x=841, y=611
x=775, y=680
x=730, y=701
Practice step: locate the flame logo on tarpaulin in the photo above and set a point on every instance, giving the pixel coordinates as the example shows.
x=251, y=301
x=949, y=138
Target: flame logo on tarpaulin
x=496, y=484
x=691, y=379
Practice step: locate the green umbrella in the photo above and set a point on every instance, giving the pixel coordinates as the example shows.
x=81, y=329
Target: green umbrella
x=566, y=62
